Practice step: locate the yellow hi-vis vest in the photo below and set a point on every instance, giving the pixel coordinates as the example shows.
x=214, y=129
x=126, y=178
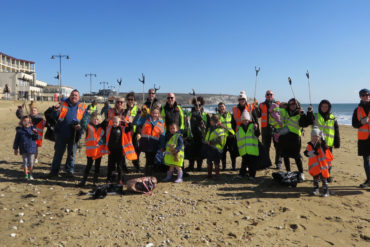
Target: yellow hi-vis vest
x=182, y=118
x=169, y=158
x=292, y=122
x=327, y=127
x=226, y=122
x=247, y=141
x=215, y=134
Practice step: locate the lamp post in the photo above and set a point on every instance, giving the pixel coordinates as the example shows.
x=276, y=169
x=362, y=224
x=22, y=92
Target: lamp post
x=60, y=56
x=104, y=83
x=90, y=74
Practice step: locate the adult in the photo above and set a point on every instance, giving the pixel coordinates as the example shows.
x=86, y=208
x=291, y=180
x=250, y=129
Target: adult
x=267, y=129
x=199, y=121
x=226, y=121
x=132, y=112
x=172, y=112
x=92, y=107
x=243, y=106
x=68, y=131
x=105, y=109
x=152, y=98
x=361, y=121
x=327, y=123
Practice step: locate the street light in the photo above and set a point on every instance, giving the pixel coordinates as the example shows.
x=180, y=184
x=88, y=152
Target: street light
x=90, y=74
x=60, y=70
x=104, y=83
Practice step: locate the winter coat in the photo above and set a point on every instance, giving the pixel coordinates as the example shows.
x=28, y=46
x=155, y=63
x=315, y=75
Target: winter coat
x=25, y=140
x=363, y=146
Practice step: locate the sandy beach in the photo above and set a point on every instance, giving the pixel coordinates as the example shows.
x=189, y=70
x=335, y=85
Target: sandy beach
x=197, y=212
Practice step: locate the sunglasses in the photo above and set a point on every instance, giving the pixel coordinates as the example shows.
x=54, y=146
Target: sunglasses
x=269, y=94
x=151, y=93
x=365, y=95
x=169, y=97
x=120, y=102
x=130, y=99
x=241, y=99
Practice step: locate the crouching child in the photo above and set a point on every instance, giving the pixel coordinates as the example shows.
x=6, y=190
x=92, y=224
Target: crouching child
x=174, y=154
x=319, y=158
x=247, y=139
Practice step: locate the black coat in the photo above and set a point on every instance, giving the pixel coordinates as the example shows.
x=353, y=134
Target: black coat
x=363, y=146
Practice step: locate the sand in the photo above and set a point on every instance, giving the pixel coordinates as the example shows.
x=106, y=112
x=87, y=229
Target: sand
x=197, y=212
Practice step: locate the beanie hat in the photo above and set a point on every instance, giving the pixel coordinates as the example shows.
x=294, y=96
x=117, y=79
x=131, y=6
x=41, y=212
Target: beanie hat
x=246, y=115
x=243, y=95
x=316, y=131
x=363, y=91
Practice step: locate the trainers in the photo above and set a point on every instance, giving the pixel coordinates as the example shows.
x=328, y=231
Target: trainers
x=366, y=184
x=26, y=177
x=326, y=194
x=31, y=177
x=316, y=192
x=179, y=180
x=36, y=161
x=301, y=177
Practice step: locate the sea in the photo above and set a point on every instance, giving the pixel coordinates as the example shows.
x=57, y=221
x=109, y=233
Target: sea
x=343, y=112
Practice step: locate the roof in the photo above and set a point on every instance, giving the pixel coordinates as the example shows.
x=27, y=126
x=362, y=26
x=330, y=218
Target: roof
x=27, y=61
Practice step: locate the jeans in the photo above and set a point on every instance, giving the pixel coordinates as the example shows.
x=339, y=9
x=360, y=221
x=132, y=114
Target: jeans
x=367, y=167
x=61, y=144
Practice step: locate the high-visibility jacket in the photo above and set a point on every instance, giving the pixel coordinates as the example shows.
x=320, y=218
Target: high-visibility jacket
x=128, y=149
x=151, y=132
x=64, y=109
x=273, y=122
x=92, y=109
x=226, y=122
x=182, y=118
x=265, y=114
x=210, y=136
x=92, y=142
x=327, y=127
x=237, y=114
x=247, y=141
x=204, y=117
x=40, y=131
x=132, y=113
x=292, y=122
x=363, y=132
x=169, y=158
x=319, y=163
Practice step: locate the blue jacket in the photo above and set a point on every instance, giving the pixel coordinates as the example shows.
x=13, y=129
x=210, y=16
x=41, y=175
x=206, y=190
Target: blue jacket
x=64, y=128
x=152, y=145
x=25, y=140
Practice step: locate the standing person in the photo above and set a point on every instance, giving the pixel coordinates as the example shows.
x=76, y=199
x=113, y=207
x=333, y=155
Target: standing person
x=327, y=123
x=152, y=136
x=117, y=110
x=132, y=112
x=174, y=155
x=293, y=118
x=215, y=140
x=92, y=107
x=171, y=112
x=267, y=129
x=68, y=131
x=198, y=122
x=239, y=109
x=318, y=163
x=119, y=147
x=39, y=123
x=152, y=99
x=94, y=135
x=361, y=121
x=105, y=109
x=25, y=141
x=226, y=121
x=247, y=138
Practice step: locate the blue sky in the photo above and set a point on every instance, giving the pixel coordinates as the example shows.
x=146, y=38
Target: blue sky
x=211, y=46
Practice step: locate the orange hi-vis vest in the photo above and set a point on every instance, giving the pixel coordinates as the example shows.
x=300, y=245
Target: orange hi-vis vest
x=237, y=114
x=112, y=113
x=64, y=109
x=152, y=132
x=363, y=132
x=93, y=149
x=319, y=164
x=127, y=147
x=40, y=131
x=265, y=114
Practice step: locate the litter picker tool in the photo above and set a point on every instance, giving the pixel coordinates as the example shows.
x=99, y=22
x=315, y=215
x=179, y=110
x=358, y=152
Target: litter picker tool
x=309, y=86
x=119, y=81
x=155, y=90
x=255, y=84
x=291, y=87
x=142, y=80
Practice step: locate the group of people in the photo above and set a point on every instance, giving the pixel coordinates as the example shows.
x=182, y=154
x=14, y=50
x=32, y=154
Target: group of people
x=168, y=134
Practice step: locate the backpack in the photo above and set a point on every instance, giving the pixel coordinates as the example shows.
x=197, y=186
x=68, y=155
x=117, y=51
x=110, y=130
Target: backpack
x=143, y=185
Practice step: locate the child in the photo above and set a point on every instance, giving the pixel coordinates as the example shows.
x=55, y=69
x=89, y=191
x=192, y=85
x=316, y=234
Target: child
x=174, y=155
x=152, y=136
x=39, y=123
x=247, y=138
x=275, y=120
x=94, y=147
x=319, y=156
x=25, y=141
x=119, y=144
x=216, y=140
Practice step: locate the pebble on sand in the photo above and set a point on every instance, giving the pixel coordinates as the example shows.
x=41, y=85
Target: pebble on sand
x=13, y=235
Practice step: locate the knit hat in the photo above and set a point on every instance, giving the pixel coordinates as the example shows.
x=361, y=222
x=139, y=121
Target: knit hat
x=246, y=115
x=364, y=91
x=316, y=132
x=243, y=95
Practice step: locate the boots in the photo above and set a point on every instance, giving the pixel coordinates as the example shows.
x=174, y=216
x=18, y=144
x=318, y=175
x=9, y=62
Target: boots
x=169, y=176
x=84, y=178
x=325, y=186
x=179, y=177
x=209, y=168
x=316, y=190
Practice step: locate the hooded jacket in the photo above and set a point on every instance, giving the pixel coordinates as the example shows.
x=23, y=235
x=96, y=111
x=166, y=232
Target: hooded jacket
x=25, y=140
